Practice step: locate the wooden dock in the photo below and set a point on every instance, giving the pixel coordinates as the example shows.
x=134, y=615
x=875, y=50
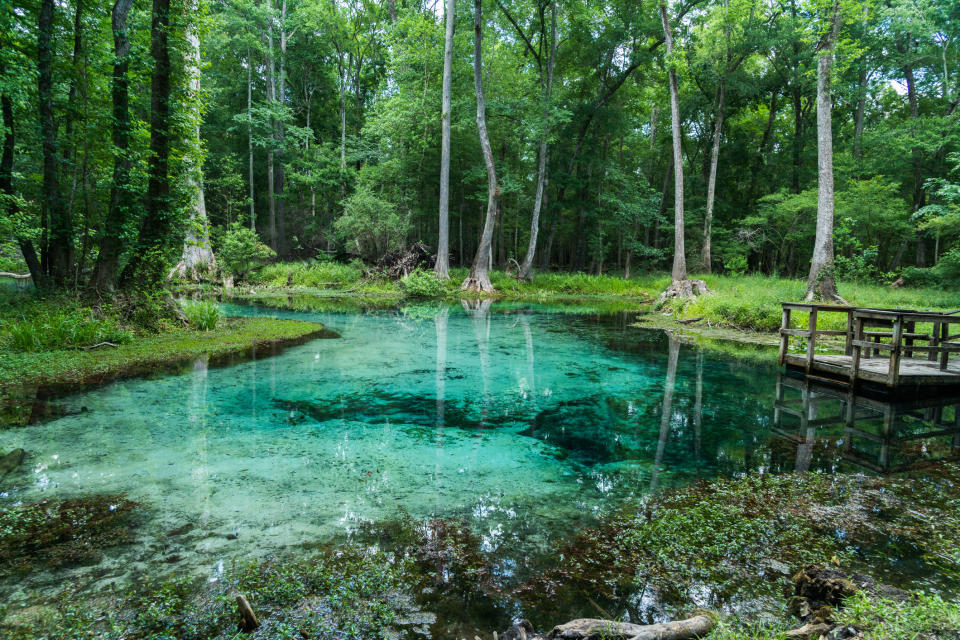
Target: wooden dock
x=897, y=351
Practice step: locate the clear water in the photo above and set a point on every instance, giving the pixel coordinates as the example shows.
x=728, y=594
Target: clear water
x=527, y=422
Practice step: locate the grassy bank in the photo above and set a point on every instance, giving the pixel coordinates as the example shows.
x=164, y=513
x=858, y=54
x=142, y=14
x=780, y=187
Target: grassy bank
x=54, y=341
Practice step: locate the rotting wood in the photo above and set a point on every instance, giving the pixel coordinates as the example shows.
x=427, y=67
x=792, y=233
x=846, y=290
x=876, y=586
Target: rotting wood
x=248, y=619
x=697, y=626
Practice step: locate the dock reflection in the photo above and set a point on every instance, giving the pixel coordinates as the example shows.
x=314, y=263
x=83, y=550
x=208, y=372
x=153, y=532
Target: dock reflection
x=876, y=435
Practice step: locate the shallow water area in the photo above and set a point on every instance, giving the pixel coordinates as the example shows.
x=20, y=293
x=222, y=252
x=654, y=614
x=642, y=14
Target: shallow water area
x=526, y=422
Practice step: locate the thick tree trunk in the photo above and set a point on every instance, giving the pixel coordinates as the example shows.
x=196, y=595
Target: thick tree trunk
x=479, y=277
x=253, y=211
x=543, y=178
x=858, y=113
x=111, y=246
x=820, y=281
x=146, y=267
x=679, y=271
x=196, y=262
x=442, y=267
x=281, y=97
x=271, y=99
x=6, y=187
x=705, y=258
x=61, y=226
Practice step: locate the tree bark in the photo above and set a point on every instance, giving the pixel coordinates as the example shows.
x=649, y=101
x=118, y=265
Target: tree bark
x=442, y=267
x=61, y=226
x=196, y=262
x=820, y=281
x=6, y=187
x=543, y=178
x=479, y=277
x=147, y=263
x=253, y=211
x=111, y=246
x=679, y=271
x=281, y=97
x=705, y=257
x=271, y=100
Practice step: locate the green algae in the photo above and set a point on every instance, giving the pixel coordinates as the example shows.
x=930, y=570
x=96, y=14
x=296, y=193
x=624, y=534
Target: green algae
x=60, y=533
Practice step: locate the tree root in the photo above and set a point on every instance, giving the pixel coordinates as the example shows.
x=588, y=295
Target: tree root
x=683, y=290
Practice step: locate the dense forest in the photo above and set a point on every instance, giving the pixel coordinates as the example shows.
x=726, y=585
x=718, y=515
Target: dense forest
x=714, y=135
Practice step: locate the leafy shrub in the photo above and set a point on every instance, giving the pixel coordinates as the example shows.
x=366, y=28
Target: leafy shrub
x=241, y=250
x=65, y=330
x=370, y=226
x=202, y=315
x=423, y=284
x=736, y=265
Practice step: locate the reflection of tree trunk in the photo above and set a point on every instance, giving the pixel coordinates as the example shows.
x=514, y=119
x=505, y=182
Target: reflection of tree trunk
x=531, y=363
x=479, y=311
x=440, y=322
x=197, y=413
x=666, y=413
x=698, y=411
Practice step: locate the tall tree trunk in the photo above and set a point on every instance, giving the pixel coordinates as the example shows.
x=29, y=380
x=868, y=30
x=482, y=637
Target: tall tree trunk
x=705, y=258
x=253, y=211
x=70, y=149
x=679, y=272
x=111, y=245
x=915, y=154
x=282, y=246
x=820, y=281
x=479, y=277
x=443, y=242
x=343, y=115
x=858, y=113
x=61, y=226
x=148, y=261
x=543, y=178
x=196, y=262
x=272, y=100
x=6, y=187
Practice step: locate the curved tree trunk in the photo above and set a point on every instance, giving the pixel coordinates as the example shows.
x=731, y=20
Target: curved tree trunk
x=442, y=267
x=108, y=260
x=543, y=178
x=679, y=272
x=705, y=257
x=820, y=281
x=479, y=277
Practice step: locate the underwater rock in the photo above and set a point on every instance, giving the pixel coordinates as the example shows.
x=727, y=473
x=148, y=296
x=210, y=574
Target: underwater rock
x=10, y=462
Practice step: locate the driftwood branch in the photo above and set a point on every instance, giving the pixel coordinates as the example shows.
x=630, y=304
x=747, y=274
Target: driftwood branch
x=18, y=276
x=590, y=629
x=99, y=344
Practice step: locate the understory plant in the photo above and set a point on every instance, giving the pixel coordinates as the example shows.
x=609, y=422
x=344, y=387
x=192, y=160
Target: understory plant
x=202, y=315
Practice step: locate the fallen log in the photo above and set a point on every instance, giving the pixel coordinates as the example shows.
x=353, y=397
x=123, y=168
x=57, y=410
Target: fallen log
x=17, y=276
x=590, y=629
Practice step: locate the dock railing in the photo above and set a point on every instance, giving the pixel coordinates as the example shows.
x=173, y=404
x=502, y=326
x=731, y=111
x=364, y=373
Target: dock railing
x=871, y=332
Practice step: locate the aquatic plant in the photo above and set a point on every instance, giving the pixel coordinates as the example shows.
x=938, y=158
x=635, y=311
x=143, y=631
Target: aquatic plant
x=57, y=533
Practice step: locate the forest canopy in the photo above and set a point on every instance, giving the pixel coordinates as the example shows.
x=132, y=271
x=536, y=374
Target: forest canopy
x=138, y=141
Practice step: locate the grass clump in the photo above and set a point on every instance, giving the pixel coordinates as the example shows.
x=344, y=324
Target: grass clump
x=312, y=275
x=202, y=315
x=65, y=329
x=60, y=533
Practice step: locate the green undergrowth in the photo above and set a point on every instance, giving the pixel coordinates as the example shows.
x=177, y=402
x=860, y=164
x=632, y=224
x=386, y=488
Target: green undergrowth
x=925, y=617
x=753, y=301
x=146, y=353
x=735, y=543
x=346, y=593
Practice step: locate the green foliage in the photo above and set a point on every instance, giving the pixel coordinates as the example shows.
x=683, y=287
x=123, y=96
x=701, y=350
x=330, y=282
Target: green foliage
x=736, y=265
x=370, y=226
x=202, y=315
x=309, y=274
x=241, y=250
x=65, y=329
x=423, y=284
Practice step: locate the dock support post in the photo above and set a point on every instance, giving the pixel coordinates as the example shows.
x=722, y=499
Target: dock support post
x=893, y=376
x=811, y=339
x=784, y=339
x=855, y=360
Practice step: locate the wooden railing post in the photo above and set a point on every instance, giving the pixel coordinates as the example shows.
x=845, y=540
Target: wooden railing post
x=784, y=339
x=857, y=349
x=944, y=337
x=811, y=339
x=893, y=375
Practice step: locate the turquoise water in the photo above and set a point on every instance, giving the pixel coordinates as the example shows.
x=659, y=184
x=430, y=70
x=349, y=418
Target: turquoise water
x=526, y=422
